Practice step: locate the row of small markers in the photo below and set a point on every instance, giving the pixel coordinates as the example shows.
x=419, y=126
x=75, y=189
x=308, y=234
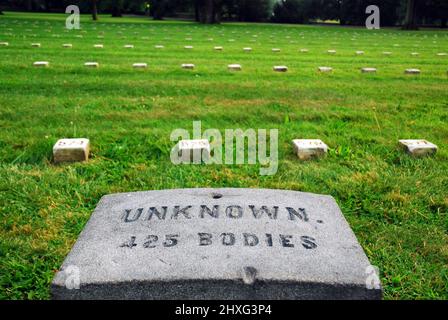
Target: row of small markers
x=78, y=149
x=130, y=46
x=233, y=67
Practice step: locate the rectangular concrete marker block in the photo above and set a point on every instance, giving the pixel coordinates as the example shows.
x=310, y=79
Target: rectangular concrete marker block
x=368, y=70
x=309, y=148
x=325, y=69
x=218, y=48
x=41, y=64
x=216, y=244
x=140, y=65
x=35, y=45
x=98, y=46
x=304, y=50
x=247, y=49
x=280, y=68
x=234, y=67
x=129, y=46
x=412, y=71
x=188, y=148
x=331, y=51
x=187, y=66
x=419, y=147
x=67, y=45
x=71, y=150
x=92, y=64
x=188, y=47
x=4, y=44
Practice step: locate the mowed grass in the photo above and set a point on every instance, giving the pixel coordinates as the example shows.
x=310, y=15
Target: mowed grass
x=397, y=205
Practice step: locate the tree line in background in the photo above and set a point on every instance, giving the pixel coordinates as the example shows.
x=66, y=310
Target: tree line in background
x=409, y=13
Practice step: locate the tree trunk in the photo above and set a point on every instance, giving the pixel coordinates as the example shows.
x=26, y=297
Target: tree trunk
x=116, y=12
x=409, y=23
x=196, y=10
x=209, y=12
x=94, y=10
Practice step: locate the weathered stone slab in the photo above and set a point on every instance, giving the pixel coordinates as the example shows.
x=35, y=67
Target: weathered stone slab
x=71, y=150
x=218, y=48
x=67, y=45
x=188, y=47
x=159, y=46
x=98, y=46
x=304, y=50
x=331, y=51
x=419, y=147
x=4, y=44
x=309, y=148
x=275, y=50
x=359, y=53
x=129, y=46
x=247, y=49
x=35, y=45
x=216, y=244
x=187, y=148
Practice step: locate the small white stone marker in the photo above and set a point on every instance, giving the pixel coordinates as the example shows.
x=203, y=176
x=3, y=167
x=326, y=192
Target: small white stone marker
x=304, y=50
x=4, y=44
x=325, y=69
x=309, y=148
x=414, y=54
x=159, y=46
x=331, y=51
x=275, y=50
x=41, y=64
x=187, y=66
x=140, y=65
x=188, y=47
x=129, y=46
x=280, y=68
x=418, y=147
x=92, y=64
x=98, y=46
x=442, y=54
x=412, y=71
x=188, y=148
x=387, y=53
x=368, y=70
x=359, y=53
x=218, y=48
x=35, y=45
x=234, y=67
x=67, y=45
x=71, y=150
x=247, y=49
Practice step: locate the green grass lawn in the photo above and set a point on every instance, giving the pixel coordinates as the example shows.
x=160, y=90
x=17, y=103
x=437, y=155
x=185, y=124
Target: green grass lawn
x=396, y=205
